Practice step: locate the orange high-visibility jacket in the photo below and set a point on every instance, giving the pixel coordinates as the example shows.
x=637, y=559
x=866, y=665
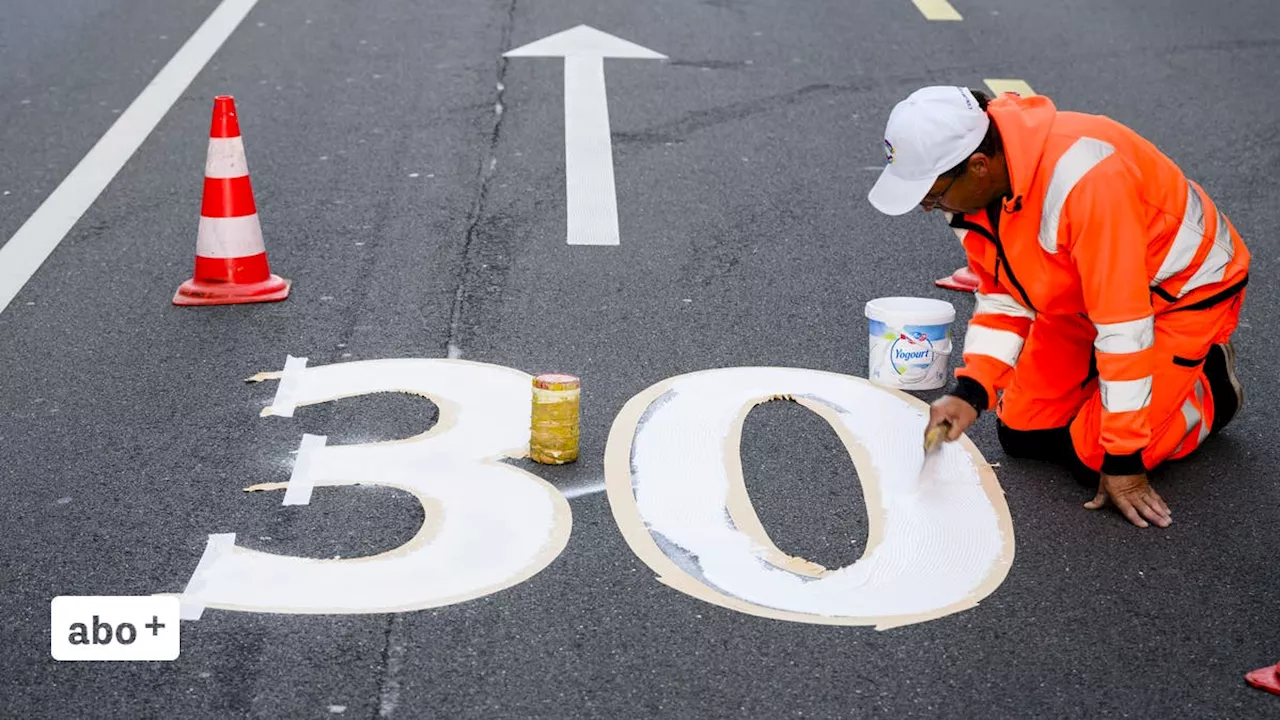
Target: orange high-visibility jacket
x=1100, y=224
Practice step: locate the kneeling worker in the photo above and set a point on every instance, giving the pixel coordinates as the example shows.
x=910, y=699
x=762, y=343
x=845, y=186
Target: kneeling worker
x=1109, y=287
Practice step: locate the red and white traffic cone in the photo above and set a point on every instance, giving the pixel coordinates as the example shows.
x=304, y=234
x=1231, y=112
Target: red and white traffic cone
x=231, y=258
x=962, y=279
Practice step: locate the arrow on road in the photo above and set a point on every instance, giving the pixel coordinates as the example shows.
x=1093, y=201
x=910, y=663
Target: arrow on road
x=588, y=149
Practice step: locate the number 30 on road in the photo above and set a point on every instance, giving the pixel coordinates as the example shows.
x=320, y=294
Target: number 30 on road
x=939, y=540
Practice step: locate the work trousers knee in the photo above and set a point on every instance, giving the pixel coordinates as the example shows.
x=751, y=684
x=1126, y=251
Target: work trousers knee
x=1054, y=395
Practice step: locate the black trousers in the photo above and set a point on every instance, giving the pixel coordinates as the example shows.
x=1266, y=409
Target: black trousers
x=1053, y=446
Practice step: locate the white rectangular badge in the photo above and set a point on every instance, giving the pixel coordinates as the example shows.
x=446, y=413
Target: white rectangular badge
x=114, y=627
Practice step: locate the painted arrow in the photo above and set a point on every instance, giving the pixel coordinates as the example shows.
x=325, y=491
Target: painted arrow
x=588, y=149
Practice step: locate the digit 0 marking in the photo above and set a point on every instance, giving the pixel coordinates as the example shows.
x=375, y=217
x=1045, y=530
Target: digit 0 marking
x=939, y=541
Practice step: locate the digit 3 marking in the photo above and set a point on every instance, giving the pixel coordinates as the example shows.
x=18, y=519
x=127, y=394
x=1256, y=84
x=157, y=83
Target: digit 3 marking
x=488, y=525
x=938, y=542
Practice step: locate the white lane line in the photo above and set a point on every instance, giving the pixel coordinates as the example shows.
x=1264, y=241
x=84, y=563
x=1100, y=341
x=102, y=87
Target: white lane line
x=1004, y=85
x=937, y=10
x=32, y=244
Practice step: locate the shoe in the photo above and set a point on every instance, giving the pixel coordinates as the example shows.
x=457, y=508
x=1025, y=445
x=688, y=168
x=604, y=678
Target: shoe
x=1228, y=394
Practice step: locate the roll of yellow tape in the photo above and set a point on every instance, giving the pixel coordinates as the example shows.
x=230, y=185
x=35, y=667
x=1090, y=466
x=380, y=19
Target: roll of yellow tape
x=553, y=437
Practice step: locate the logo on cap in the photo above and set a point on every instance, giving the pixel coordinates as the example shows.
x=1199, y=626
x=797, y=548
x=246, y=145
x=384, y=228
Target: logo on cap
x=888, y=150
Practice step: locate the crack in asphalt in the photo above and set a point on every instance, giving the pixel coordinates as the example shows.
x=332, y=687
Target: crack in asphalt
x=392, y=661
x=484, y=174
x=392, y=652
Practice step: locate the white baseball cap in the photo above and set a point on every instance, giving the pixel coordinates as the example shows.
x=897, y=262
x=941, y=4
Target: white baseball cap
x=929, y=133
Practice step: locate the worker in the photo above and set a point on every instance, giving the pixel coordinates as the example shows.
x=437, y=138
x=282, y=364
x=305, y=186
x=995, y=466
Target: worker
x=1109, y=285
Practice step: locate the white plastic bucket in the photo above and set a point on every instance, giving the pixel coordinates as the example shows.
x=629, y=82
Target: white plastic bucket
x=910, y=342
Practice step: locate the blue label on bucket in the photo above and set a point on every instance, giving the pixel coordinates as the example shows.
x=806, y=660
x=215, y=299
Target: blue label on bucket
x=933, y=332
x=909, y=349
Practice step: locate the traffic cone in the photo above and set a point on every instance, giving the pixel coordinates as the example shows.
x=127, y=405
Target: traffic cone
x=1267, y=678
x=231, y=259
x=962, y=279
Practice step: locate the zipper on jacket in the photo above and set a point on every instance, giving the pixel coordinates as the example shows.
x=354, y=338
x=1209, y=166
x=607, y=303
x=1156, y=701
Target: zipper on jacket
x=960, y=222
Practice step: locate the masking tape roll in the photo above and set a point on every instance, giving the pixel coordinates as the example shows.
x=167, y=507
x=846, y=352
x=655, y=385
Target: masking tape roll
x=553, y=437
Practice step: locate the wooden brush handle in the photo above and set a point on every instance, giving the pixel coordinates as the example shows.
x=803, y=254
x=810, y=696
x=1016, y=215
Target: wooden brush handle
x=936, y=434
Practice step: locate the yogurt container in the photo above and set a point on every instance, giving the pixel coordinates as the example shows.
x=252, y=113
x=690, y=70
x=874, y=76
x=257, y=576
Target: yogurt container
x=909, y=341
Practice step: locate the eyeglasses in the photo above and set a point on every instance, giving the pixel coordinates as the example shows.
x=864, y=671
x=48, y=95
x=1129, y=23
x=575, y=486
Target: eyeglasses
x=935, y=198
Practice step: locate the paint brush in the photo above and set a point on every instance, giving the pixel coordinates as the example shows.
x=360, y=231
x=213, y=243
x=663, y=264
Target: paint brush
x=933, y=438
x=935, y=435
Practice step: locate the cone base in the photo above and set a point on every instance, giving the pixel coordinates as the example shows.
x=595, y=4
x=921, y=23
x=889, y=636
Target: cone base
x=199, y=292
x=1267, y=678
x=963, y=280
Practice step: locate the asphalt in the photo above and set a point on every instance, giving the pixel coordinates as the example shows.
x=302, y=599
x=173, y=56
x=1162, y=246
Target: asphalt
x=386, y=181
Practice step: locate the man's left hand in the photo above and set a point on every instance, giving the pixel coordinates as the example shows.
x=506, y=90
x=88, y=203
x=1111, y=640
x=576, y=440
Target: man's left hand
x=1133, y=497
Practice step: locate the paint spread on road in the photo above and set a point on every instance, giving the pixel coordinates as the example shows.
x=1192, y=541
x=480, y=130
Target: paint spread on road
x=939, y=540
x=487, y=525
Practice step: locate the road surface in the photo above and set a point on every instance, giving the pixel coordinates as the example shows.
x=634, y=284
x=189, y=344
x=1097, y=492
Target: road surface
x=411, y=182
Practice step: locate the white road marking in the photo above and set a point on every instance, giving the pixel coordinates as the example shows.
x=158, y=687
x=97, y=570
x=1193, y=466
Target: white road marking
x=937, y=10
x=939, y=540
x=588, y=149
x=32, y=244
x=487, y=525
x=1004, y=85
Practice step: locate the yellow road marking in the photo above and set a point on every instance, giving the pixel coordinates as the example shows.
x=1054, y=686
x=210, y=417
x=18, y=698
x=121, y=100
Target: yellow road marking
x=1004, y=85
x=937, y=10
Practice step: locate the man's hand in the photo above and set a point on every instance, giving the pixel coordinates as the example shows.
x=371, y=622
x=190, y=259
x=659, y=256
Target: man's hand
x=952, y=409
x=1133, y=497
